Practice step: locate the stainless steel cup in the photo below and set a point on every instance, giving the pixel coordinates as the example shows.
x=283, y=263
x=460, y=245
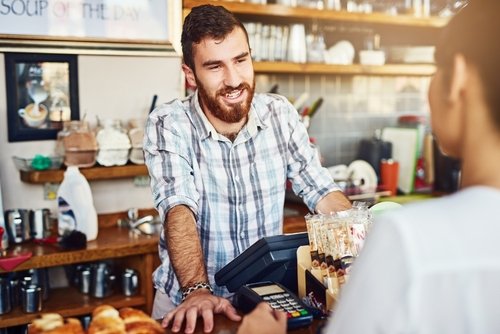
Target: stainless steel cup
x=15, y=291
x=40, y=277
x=5, y=296
x=130, y=282
x=84, y=277
x=31, y=297
x=17, y=222
x=40, y=224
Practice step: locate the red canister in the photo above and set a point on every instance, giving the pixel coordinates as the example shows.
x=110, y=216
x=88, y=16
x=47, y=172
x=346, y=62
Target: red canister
x=389, y=174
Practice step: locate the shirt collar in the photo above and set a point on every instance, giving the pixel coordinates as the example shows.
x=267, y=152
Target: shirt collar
x=253, y=124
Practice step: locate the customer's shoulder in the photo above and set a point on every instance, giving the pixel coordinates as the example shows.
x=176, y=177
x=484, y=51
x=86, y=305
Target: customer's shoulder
x=466, y=204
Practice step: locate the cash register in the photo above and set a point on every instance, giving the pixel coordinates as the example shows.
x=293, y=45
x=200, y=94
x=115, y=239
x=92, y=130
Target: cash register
x=267, y=271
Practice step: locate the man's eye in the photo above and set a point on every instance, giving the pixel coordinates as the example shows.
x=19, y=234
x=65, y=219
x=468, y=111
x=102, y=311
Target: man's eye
x=241, y=60
x=214, y=67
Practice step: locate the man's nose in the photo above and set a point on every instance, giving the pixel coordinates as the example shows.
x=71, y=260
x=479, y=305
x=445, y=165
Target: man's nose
x=232, y=77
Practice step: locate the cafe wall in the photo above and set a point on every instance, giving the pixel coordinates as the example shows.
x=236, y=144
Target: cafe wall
x=122, y=87
x=353, y=108
x=117, y=87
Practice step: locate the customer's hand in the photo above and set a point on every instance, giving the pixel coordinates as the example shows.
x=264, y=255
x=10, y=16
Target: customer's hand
x=263, y=320
x=203, y=304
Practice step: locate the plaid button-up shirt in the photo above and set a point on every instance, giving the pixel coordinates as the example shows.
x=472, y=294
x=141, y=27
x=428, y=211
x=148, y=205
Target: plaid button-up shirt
x=235, y=189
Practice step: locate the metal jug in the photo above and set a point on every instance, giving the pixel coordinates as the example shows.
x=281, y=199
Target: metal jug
x=17, y=222
x=102, y=280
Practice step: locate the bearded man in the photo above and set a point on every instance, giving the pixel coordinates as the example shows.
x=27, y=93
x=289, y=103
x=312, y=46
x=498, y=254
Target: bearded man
x=219, y=160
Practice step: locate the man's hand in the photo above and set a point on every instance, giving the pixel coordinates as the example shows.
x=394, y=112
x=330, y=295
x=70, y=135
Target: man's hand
x=263, y=320
x=200, y=303
x=333, y=202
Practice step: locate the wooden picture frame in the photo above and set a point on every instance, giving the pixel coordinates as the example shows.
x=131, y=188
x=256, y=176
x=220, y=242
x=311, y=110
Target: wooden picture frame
x=42, y=93
x=93, y=25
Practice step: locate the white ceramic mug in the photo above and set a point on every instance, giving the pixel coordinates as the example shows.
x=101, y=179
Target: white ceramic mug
x=31, y=118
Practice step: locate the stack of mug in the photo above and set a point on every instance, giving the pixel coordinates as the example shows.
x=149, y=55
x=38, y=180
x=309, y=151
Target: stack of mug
x=99, y=280
x=28, y=289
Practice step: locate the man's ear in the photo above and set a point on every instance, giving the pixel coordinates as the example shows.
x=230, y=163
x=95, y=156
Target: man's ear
x=458, y=78
x=189, y=73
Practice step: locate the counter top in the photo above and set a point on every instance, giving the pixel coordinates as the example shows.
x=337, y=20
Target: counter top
x=225, y=326
x=111, y=243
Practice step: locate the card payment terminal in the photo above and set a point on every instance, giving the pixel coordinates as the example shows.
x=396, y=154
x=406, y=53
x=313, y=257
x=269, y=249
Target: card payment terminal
x=278, y=297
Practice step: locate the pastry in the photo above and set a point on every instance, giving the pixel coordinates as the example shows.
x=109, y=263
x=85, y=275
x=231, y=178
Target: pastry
x=106, y=320
x=53, y=323
x=138, y=322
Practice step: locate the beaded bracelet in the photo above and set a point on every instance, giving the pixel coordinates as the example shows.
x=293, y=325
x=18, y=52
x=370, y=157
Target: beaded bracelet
x=191, y=288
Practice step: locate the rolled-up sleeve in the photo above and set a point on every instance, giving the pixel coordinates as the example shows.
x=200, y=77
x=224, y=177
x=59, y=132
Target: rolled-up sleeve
x=310, y=180
x=168, y=159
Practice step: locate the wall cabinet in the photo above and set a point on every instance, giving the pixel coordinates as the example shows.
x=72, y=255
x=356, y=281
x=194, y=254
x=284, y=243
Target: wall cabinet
x=411, y=29
x=128, y=250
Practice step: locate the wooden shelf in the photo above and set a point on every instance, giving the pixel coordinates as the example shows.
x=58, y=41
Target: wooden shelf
x=126, y=249
x=294, y=14
x=93, y=173
x=297, y=13
x=356, y=69
x=112, y=242
x=69, y=302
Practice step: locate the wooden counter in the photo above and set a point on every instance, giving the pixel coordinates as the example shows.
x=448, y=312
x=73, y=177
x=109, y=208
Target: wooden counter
x=127, y=251
x=225, y=326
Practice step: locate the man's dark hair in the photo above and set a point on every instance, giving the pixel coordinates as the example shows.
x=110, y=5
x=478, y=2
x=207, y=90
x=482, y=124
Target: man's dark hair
x=471, y=33
x=206, y=21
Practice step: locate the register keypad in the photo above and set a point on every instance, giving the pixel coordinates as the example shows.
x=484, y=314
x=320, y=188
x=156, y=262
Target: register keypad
x=284, y=302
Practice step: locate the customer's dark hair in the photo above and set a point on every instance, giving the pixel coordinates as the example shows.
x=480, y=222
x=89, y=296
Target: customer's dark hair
x=206, y=21
x=471, y=32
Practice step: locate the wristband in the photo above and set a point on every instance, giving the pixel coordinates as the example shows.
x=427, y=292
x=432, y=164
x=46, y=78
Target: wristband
x=187, y=290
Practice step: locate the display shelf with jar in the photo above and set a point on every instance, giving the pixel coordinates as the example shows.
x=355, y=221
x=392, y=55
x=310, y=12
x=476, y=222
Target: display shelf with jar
x=399, y=32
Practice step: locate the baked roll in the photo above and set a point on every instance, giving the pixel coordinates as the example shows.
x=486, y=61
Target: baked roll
x=106, y=320
x=53, y=323
x=138, y=322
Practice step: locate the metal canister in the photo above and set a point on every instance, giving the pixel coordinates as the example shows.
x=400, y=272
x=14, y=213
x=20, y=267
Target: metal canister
x=17, y=222
x=5, y=296
x=40, y=277
x=31, y=297
x=84, y=278
x=15, y=291
x=130, y=282
x=40, y=224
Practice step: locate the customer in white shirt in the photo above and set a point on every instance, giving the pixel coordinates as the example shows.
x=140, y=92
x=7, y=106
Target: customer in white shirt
x=434, y=267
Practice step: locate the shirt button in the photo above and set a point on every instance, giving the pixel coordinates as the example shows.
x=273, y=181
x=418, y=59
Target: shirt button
x=237, y=178
x=242, y=235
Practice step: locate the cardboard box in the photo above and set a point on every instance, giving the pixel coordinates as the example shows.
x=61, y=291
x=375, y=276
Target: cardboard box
x=310, y=285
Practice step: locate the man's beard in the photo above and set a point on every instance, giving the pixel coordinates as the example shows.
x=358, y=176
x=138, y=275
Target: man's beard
x=232, y=113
